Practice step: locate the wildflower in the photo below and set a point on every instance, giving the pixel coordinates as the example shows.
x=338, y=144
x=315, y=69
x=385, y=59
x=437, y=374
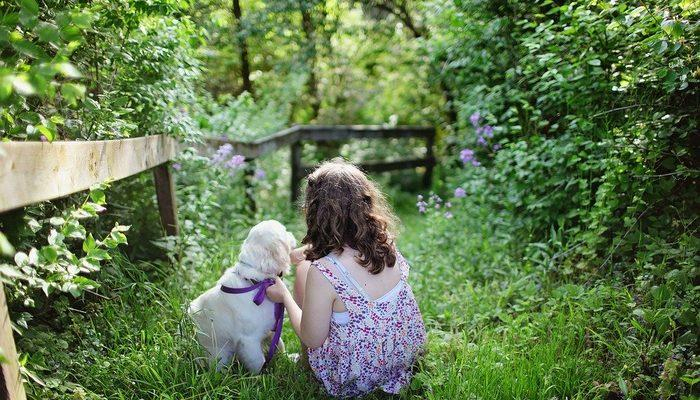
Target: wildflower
x=235, y=162
x=259, y=174
x=466, y=155
x=448, y=214
x=437, y=206
x=459, y=192
x=496, y=147
x=476, y=163
x=224, y=151
x=43, y=138
x=177, y=166
x=448, y=205
x=435, y=198
x=420, y=197
x=474, y=119
x=421, y=206
x=487, y=131
x=480, y=140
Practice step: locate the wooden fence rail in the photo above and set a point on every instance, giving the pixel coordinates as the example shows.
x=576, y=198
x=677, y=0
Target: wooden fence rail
x=31, y=172
x=297, y=135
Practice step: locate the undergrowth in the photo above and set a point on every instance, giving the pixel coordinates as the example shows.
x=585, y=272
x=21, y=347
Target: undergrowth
x=497, y=327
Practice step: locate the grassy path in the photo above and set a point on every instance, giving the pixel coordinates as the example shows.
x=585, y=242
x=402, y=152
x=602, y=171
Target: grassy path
x=489, y=337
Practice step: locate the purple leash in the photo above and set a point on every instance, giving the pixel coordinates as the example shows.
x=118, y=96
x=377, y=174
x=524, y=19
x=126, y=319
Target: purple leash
x=258, y=299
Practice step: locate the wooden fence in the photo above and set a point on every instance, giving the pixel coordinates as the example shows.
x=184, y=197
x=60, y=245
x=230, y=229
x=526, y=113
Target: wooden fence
x=297, y=135
x=31, y=172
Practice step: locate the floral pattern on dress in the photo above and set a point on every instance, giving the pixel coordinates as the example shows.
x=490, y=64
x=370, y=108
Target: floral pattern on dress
x=377, y=348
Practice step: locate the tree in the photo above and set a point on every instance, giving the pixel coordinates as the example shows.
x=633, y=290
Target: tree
x=243, y=48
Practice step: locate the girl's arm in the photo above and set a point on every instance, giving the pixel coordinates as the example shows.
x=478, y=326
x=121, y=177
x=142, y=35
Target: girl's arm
x=313, y=322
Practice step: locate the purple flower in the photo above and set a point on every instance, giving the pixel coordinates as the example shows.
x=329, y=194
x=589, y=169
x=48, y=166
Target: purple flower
x=235, y=162
x=421, y=206
x=177, y=166
x=474, y=119
x=43, y=138
x=480, y=140
x=459, y=192
x=222, y=153
x=496, y=147
x=259, y=174
x=437, y=206
x=476, y=163
x=488, y=131
x=448, y=204
x=466, y=155
x=448, y=214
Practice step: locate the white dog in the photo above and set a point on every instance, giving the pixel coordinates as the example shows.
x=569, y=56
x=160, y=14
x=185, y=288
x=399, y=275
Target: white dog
x=232, y=324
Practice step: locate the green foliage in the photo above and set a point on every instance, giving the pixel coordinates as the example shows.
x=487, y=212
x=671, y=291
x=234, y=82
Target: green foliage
x=593, y=104
x=55, y=266
x=97, y=70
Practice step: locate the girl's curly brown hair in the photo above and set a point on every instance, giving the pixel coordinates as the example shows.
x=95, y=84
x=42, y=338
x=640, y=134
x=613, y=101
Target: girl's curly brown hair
x=344, y=207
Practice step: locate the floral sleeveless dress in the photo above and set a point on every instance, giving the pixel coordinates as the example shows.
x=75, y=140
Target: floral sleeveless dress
x=377, y=346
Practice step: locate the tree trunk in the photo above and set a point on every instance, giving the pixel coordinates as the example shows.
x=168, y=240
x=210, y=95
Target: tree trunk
x=312, y=83
x=243, y=48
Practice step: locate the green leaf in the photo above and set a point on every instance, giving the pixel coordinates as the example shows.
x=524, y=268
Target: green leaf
x=68, y=70
x=98, y=196
x=48, y=133
x=672, y=28
x=72, y=92
x=5, y=87
x=10, y=271
x=30, y=6
x=57, y=221
x=595, y=62
x=22, y=85
x=49, y=254
x=5, y=246
x=47, y=32
x=89, y=244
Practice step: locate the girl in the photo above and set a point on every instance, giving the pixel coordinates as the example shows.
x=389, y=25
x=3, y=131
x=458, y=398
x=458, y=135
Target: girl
x=353, y=308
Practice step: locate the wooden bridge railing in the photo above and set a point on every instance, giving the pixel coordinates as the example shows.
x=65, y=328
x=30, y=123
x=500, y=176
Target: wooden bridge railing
x=297, y=135
x=31, y=172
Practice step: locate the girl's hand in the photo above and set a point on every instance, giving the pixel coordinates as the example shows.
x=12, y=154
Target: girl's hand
x=297, y=255
x=278, y=291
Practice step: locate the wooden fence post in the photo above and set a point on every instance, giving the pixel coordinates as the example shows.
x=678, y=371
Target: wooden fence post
x=11, y=387
x=248, y=176
x=297, y=172
x=165, y=193
x=430, y=159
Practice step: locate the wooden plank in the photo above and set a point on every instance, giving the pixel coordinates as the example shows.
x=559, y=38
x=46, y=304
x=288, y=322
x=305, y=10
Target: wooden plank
x=31, y=172
x=165, y=193
x=298, y=172
x=259, y=147
x=430, y=155
x=11, y=384
x=384, y=166
x=321, y=133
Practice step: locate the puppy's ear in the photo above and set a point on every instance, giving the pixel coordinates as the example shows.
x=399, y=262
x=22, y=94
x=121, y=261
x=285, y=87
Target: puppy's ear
x=277, y=259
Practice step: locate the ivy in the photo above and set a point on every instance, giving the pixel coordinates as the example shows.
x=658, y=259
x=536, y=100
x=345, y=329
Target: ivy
x=69, y=253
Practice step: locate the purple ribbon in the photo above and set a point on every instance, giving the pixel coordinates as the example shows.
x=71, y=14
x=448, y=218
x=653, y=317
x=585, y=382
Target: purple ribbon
x=258, y=300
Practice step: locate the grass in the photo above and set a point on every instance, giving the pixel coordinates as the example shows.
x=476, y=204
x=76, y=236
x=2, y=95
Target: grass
x=496, y=330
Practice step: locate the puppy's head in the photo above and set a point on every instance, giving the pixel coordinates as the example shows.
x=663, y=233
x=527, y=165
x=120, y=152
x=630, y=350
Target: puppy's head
x=267, y=248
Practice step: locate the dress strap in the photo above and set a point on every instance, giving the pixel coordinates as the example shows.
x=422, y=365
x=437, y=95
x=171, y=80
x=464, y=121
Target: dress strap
x=348, y=278
x=339, y=284
x=403, y=265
